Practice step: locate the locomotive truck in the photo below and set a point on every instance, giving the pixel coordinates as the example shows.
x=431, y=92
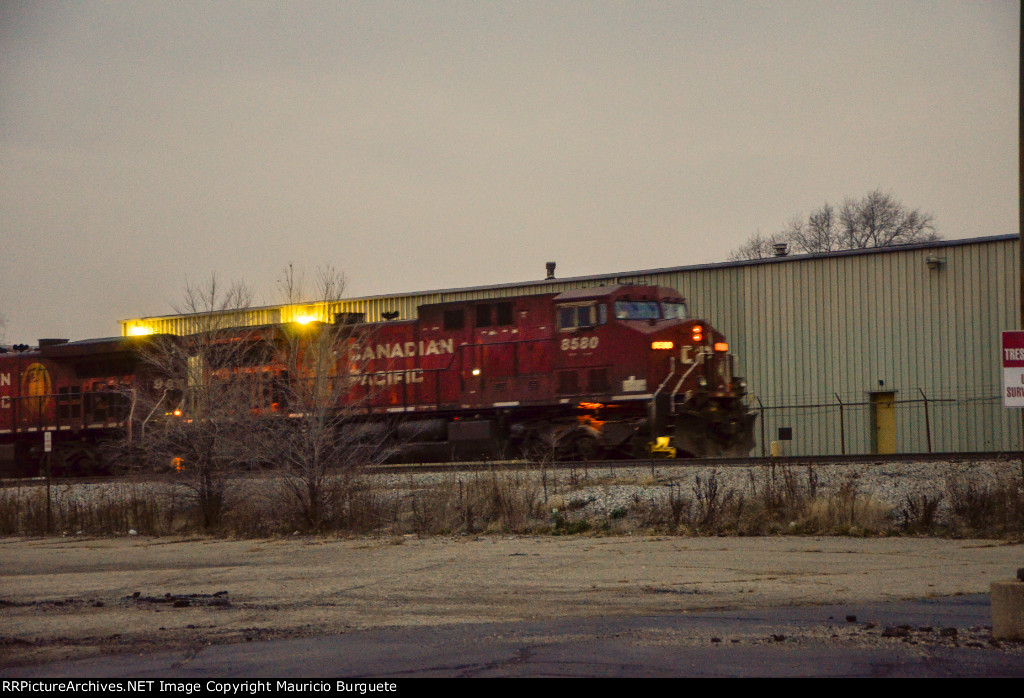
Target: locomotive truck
x=601, y=372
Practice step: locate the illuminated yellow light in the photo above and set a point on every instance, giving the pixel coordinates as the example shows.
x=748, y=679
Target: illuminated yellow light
x=304, y=319
x=476, y=371
x=697, y=329
x=177, y=413
x=698, y=337
x=721, y=346
x=140, y=330
x=662, y=345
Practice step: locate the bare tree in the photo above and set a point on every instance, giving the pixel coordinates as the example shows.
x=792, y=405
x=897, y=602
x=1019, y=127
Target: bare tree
x=880, y=220
x=226, y=397
x=757, y=246
x=818, y=234
x=201, y=393
x=877, y=219
x=319, y=446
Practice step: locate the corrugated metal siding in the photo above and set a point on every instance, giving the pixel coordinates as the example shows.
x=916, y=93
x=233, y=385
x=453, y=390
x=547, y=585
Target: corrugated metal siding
x=815, y=327
x=806, y=329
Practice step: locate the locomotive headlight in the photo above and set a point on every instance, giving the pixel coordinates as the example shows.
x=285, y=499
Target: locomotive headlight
x=662, y=345
x=476, y=371
x=141, y=331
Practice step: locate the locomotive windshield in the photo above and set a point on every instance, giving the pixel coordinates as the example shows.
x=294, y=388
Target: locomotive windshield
x=650, y=310
x=637, y=310
x=674, y=310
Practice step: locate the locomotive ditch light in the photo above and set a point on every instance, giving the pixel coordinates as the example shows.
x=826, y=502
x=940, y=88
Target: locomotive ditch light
x=721, y=346
x=476, y=371
x=661, y=345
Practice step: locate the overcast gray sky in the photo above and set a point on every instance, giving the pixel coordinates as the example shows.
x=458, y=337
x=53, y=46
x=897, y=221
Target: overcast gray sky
x=422, y=145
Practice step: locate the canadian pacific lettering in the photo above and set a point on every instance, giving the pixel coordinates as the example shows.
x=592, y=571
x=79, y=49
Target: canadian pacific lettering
x=389, y=377
x=402, y=350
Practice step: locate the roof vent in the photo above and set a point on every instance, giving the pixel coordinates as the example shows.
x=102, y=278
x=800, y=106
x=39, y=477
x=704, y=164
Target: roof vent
x=551, y=269
x=781, y=249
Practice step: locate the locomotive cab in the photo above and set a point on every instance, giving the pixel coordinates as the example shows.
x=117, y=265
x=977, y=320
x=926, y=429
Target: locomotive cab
x=630, y=349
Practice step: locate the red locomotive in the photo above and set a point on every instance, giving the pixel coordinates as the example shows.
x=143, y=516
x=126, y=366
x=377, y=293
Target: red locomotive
x=77, y=391
x=601, y=372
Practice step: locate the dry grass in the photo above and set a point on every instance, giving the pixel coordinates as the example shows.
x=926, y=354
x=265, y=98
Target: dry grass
x=768, y=501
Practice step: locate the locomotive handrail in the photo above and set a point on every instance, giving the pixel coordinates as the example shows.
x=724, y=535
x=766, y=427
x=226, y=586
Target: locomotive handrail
x=696, y=363
x=671, y=373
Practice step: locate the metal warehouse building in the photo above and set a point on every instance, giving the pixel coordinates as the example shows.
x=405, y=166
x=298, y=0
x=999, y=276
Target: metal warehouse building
x=863, y=351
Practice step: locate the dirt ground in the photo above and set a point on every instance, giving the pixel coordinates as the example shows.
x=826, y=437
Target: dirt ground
x=66, y=598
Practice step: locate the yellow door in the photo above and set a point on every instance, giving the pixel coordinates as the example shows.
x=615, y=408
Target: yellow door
x=883, y=423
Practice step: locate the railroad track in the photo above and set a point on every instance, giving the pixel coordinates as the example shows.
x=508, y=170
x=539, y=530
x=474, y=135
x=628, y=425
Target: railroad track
x=699, y=462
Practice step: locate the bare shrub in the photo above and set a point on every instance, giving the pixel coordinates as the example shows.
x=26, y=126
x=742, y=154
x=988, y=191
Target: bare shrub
x=492, y=501
x=987, y=508
x=112, y=509
x=918, y=513
x=845, y=511
x=712, y=503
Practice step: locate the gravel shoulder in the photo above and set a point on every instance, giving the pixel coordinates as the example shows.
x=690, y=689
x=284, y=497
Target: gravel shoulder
x=74, y=597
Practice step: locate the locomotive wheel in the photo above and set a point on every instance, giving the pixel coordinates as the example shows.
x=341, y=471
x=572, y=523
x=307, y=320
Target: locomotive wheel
x=587, y=448
x=77, y=462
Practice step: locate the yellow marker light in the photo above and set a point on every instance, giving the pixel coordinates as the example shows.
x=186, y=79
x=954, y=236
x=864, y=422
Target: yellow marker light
x=141, y=330
x=721, y=346
x=661, y=345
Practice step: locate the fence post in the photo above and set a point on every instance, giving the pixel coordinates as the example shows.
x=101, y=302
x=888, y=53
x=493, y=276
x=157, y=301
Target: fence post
x=927, y=422
x=761, y=406
x=842, y=424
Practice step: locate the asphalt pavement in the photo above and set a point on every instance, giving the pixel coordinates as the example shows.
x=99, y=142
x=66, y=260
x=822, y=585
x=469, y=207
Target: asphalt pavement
x=940, y=637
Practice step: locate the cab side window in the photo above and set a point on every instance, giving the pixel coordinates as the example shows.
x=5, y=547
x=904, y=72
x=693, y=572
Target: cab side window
x=572, y=317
